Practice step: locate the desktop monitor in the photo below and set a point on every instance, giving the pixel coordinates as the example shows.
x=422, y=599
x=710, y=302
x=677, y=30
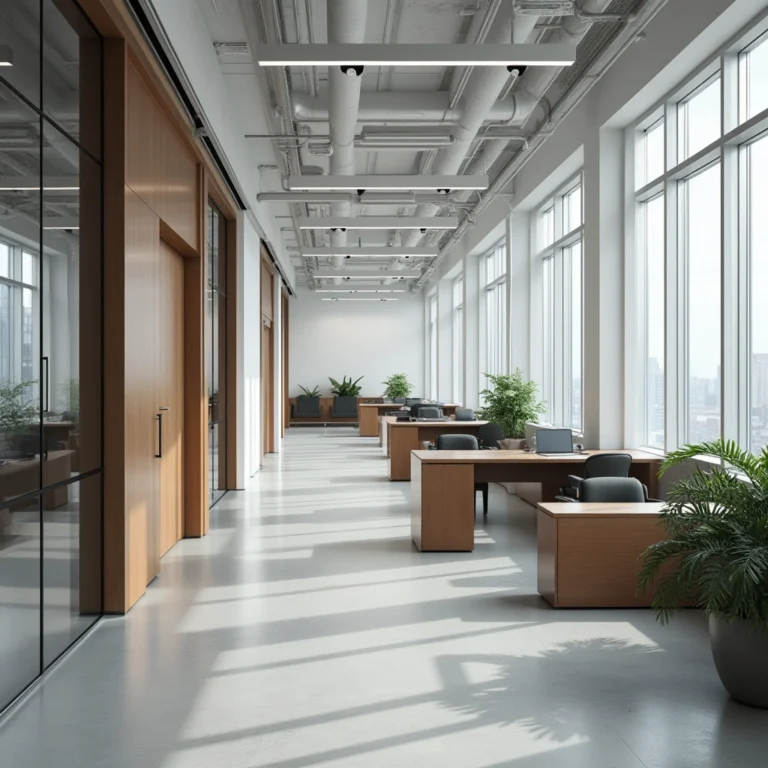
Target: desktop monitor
x=554, y=441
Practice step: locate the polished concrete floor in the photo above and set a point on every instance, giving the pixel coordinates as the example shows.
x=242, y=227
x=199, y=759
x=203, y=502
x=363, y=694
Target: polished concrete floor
x=305, y=630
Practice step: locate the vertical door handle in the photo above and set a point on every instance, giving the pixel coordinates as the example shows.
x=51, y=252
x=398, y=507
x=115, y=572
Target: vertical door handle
x=46, y=386
x=159, y=454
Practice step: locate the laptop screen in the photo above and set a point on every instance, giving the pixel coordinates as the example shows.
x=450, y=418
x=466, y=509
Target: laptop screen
x=554, y=441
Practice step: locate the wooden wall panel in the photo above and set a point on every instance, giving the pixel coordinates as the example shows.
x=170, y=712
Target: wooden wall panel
x=159, y=168
x=267, y=292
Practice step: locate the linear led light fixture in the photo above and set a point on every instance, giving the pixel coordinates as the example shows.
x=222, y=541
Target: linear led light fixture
x=381, y=252
x=379, y=222
x=385, y=183
x=372, y=276
x=32, y=184
x=343, y=299
x=416, y=55
x=360, y=290
x=6, y=56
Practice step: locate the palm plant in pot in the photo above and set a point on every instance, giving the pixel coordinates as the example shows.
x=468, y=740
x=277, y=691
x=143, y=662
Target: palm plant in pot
x=716, y=554
x=511, y=401
x=397, y=386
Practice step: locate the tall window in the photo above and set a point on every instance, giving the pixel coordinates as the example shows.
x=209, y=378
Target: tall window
x=559, y=235
x=458, y=339
x=433, y=346
x=494, y=266
x=702, y=258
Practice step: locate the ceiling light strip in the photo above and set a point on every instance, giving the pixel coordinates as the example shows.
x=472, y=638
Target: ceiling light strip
x=379, y=252
x=385, y=183
x=379, y=222
x=343, y=299
x=372, y=276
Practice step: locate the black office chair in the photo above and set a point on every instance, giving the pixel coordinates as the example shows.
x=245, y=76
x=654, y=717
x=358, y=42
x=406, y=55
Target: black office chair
x=465, y=414
x=612, y=490
x=429, y=412
x=344, y=407
x=600, y=465
x=463, y=443
x=306, y=407
x=409, y=401
x=489, y=435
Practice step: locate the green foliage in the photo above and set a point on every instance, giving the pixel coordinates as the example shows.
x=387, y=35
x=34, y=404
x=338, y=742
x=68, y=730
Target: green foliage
x=18, y=411
x=397, y=385
x=69, y=394
x=716, y=552
x=314, y=392
x=345, y=388
x=511, y=403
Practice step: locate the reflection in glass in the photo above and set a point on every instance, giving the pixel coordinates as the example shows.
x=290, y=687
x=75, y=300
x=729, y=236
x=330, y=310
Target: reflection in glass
x=71, y=563
x=702, y=245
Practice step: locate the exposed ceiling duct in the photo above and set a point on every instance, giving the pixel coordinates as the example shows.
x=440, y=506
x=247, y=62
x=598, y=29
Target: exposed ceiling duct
x=346, y=24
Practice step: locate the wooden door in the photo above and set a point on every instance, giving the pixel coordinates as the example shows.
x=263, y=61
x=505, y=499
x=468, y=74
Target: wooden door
x=267, y=410
x=170, y=396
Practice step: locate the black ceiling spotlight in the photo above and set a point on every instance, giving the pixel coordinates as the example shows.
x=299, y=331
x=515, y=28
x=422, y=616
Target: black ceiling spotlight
x=346, y=278
x=443, y=191
x=338, y=229
x=516, y=69
x=423, y=230
x=360, y=191
x=347, y=256
x=352, y=69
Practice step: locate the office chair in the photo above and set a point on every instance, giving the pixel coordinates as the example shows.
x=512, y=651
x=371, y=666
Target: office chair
x=610, y=489
x=465, y=414
x=428, y=412
x=463, y=443
x=601, y=465
x=409, y=401
x=415, y=407
x=489, y=435
x=306, y=407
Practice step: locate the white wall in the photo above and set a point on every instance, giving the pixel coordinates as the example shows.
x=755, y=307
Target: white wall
x=355, y=338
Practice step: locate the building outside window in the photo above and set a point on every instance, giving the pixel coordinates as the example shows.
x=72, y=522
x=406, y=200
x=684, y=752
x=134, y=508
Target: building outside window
x=458, y=339
x=559, y=237
x=701, y=255
x=494, y=280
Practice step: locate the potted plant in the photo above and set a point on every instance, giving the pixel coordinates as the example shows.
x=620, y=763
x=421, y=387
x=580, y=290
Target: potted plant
x=397, y=385
x=314, y=392
x=345, y=388
x=511, y=402
x=716, y=554
x=18, y=412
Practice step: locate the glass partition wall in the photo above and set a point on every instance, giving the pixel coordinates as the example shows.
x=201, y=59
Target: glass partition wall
x=50, y=335
x=216, y=352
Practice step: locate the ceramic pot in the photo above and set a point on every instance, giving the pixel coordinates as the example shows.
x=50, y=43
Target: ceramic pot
x=741, y=658
x=512, y=444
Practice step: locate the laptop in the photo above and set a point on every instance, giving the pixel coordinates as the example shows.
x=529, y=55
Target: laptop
x=554, y=442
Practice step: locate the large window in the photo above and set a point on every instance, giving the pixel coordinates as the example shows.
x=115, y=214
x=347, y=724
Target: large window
x=559, y=250
x=702, y=260
x=458, y=339
x=433, y=346
x=494, y=274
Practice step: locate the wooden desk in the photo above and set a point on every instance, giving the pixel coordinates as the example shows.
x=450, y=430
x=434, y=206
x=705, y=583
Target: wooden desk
x=21, y=477
x=368, y=416
x=407, y=436
x=443, y=491
x=589, y=554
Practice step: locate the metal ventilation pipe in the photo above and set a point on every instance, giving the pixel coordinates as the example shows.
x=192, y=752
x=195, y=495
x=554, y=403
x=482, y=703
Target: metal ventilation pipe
x=346, y=24
x=479, y=97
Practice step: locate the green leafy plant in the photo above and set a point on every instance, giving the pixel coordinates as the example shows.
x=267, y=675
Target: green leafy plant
x=512, y=402
x=69, y=397
x=314, y=392
x=397, y=385
x=345, y=388
x=18, y=411
x=716, y=551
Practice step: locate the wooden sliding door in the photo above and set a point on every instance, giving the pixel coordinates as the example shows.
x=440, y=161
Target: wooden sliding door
x=267, y=356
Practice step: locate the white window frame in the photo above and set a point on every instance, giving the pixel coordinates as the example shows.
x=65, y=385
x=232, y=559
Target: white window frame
x=554, y=263
x=458, y=339
x=494, y=311
x=729, y=150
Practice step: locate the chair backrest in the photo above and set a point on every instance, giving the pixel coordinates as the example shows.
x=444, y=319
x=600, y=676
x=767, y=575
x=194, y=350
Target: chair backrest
x=490, y=434
x=612, y=489
x=429, y=412
x=409, y=401
x=456, y=443
x=346, y=405
x=307, y=406
x=608, y=465
x=465, y=414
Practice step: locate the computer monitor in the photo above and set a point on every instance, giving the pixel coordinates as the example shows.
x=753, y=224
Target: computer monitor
x=554, y=441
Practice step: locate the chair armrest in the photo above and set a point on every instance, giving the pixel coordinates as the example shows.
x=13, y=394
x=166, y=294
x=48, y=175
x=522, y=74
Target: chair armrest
x=566, y=498
x=574, y=480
